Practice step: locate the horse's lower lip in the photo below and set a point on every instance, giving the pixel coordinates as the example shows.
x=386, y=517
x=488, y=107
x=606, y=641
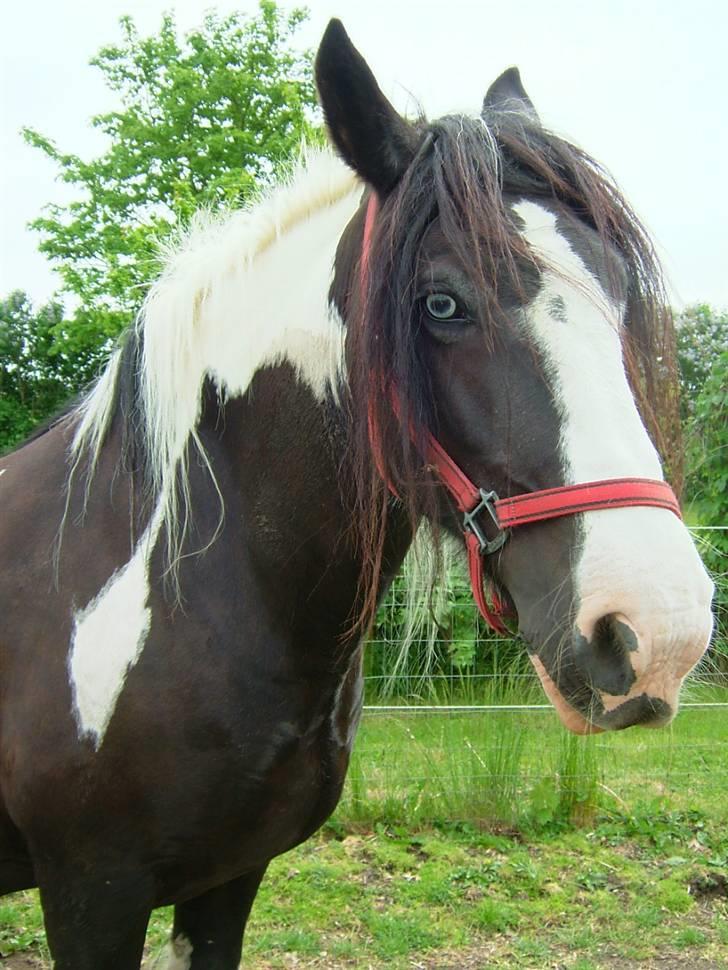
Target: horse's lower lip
x=569, y=717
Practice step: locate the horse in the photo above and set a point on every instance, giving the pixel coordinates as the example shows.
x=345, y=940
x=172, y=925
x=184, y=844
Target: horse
x=191, y=557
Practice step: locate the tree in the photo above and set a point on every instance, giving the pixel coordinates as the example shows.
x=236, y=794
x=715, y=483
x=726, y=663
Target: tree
x=35, y=379
x=202, y=123
x=702, y=333
x=702, y=342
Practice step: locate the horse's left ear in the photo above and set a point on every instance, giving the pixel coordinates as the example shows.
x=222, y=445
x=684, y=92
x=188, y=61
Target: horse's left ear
x=367, y=131
x=507, y=93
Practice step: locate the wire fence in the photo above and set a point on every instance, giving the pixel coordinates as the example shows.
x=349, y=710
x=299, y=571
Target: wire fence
x=460, y=728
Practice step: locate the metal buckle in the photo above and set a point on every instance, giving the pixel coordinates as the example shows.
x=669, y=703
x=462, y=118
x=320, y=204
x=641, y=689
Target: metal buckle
x=471, y=524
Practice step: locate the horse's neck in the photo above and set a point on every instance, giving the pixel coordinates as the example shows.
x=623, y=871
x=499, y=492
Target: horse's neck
x=277, y=444
x=279, y=456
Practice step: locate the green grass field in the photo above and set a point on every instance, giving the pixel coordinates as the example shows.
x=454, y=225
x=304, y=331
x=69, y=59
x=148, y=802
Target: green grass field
x=496, y=841
x=510, y=767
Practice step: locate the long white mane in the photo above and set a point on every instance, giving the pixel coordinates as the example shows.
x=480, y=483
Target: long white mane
x=199, y=319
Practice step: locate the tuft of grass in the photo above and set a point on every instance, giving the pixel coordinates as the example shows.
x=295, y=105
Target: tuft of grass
x=395, y=933
x=521, y=768
x=691, y=936
x=288, y=940
x=495, y=916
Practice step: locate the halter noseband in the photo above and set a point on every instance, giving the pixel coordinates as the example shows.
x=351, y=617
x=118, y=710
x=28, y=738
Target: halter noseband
x=518, y=510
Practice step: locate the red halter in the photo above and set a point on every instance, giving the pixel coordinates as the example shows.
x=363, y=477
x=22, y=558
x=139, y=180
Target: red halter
x=508, y=513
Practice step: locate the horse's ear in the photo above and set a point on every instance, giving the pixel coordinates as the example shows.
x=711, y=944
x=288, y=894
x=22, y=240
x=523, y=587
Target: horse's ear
x=366, y=130
x=507, y=93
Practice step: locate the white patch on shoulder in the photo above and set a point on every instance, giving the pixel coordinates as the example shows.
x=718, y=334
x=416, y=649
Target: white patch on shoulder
x=108, y=637
x=2, y=471
x=177, y=954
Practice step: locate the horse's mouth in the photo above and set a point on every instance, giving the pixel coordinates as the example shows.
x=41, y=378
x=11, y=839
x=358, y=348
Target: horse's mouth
x=568, y=715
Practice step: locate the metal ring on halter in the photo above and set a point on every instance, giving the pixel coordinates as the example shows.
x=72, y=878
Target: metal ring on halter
x=471, y=524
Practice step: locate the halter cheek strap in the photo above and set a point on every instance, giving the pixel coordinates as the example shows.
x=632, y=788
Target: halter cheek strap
x=478, y=505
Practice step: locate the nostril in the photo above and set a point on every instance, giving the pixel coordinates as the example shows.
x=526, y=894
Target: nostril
x=605, y=657
x=612, y=634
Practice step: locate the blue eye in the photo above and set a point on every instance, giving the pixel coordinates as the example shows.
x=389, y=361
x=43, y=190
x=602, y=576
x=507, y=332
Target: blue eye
x=441, y=306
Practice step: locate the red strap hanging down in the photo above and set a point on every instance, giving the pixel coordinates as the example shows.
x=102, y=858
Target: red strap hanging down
x=518, y=510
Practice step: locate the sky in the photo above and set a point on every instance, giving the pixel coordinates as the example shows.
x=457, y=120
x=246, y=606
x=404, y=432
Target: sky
x=642, y=85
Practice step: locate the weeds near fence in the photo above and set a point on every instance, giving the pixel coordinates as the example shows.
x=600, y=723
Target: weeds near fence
x=458, y=728
x=523, y=770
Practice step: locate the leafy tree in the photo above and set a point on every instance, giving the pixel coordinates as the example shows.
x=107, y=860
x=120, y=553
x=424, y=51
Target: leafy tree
x=203, y=121
x=708, y=444
x=35, y=379
x=702, y=339
x=708, y=479
x=702, y=333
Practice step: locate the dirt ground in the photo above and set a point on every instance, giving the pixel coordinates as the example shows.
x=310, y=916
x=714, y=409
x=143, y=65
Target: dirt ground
x=470, y=959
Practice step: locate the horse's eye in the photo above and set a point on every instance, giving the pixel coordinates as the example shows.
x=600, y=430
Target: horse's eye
x=441, y=306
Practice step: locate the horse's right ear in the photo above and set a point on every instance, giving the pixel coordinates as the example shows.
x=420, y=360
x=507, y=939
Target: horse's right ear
x=366, y=130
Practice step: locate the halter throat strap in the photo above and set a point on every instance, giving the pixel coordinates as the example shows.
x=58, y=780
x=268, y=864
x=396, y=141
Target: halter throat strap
x=487, y=519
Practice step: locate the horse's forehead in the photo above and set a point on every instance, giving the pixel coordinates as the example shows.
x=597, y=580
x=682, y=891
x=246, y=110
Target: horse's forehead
x=517, y=280
x=603, y=263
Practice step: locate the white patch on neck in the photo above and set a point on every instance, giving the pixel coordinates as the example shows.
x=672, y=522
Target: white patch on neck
x=178, y=954
x=108, y=637
x=240, y=291
x=282, y=301
x=237, y=292
x=639, y=562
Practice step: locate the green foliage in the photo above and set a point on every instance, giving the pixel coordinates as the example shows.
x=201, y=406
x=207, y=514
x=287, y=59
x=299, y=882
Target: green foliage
x=203, y=122
x=35, y=377
x=435, y=646
x=704, y=372
x=708, y=446
x=394, y=898
x=702, y=334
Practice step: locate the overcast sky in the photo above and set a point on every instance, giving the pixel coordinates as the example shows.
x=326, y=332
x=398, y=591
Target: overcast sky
x=641, y=85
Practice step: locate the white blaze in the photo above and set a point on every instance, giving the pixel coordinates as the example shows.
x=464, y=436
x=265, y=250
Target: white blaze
x=108, y=637
x=637, y=562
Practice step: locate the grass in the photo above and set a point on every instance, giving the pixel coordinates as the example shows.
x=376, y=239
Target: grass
x=626, y=890
x=596, y=853
x=516, y=768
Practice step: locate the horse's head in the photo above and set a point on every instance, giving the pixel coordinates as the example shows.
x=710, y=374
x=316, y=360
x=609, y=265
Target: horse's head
x=508, y=301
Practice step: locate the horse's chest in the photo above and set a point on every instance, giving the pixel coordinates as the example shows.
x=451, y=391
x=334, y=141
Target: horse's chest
x=283, y=778
x=320, y=756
